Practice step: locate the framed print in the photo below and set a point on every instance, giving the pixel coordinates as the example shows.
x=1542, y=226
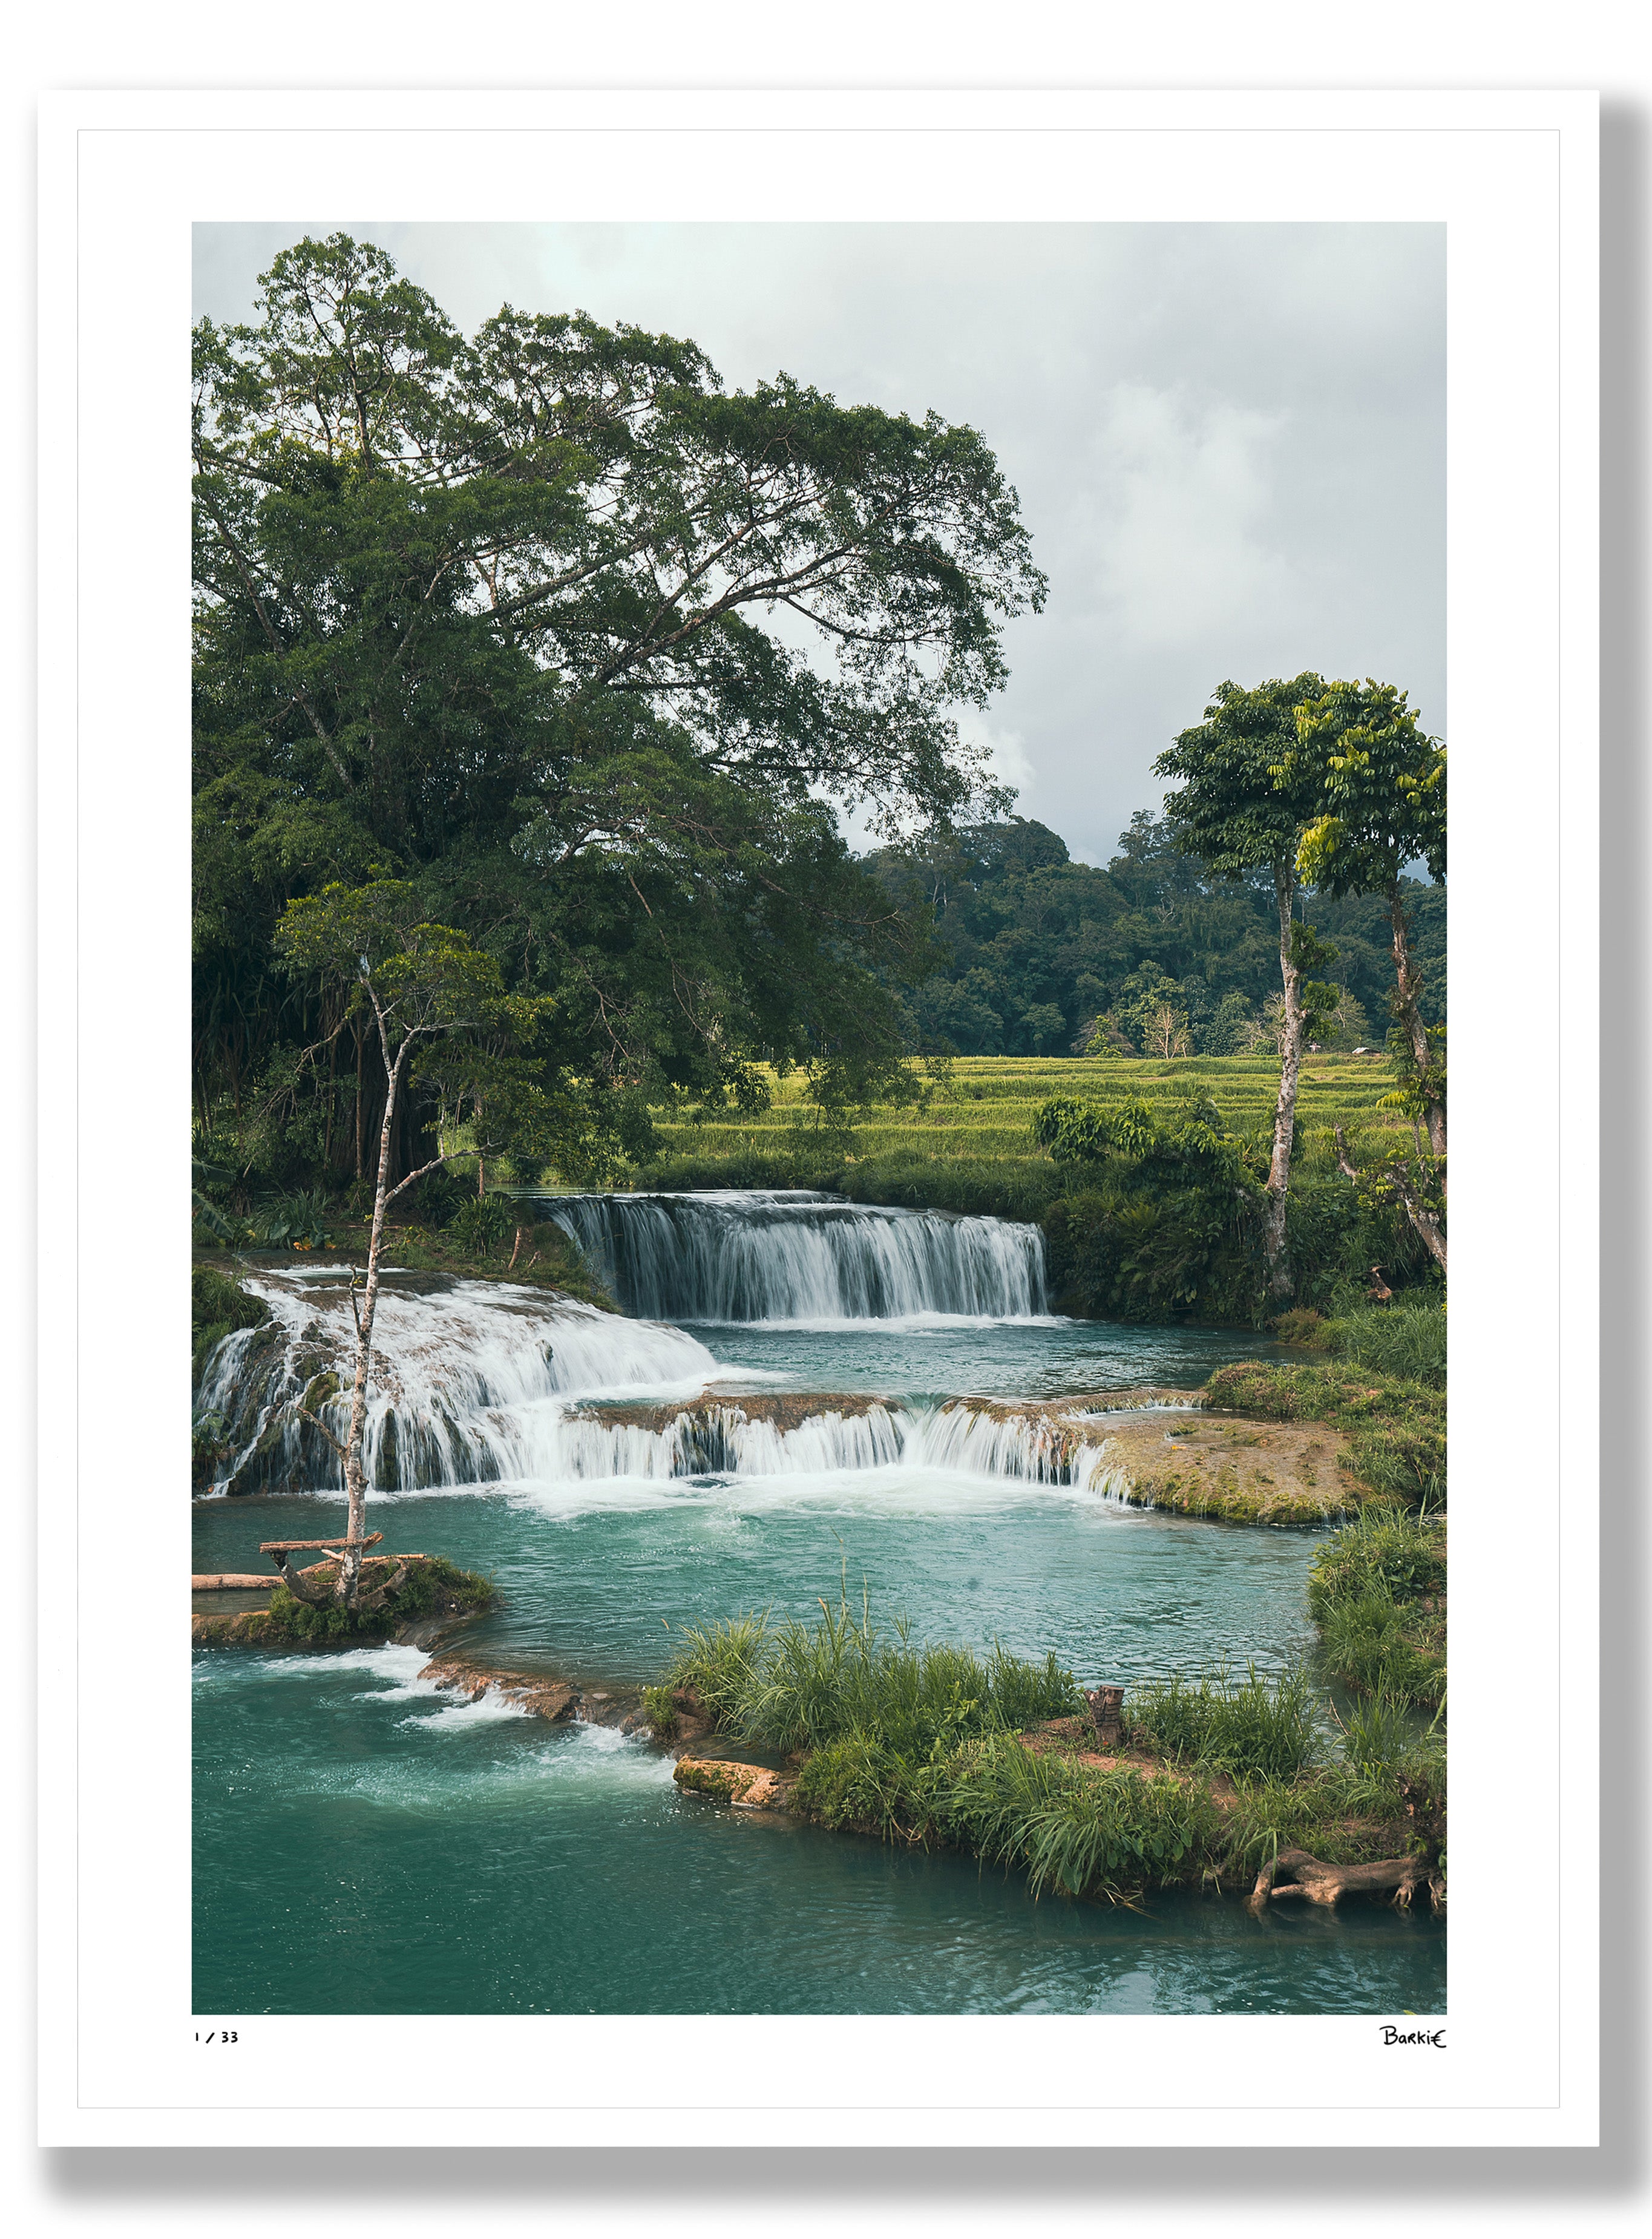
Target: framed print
x=771, y=774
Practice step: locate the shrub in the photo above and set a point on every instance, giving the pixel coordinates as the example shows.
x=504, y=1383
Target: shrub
x=299, y=1217
x=1302, y=1326
x=481, y=1224
x=433, y=1583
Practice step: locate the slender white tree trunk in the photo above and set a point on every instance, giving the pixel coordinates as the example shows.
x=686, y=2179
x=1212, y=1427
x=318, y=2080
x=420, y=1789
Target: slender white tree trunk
x=355, y=1475
x=1284, y=1112
x=1409, y=986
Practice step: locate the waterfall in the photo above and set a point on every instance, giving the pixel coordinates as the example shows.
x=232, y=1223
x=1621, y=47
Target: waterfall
x=721, y=1439
x=474, y=1382
x=1043, y=1448
x=798, y=1256
x=460, y=1371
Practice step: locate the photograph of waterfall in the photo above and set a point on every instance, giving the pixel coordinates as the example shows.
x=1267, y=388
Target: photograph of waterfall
x=820, y=1092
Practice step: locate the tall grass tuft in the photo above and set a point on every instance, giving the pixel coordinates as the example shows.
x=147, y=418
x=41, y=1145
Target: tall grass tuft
x=1377, y=1733
x=1366, y=1644
x=1377, y=1593
x=1075, y=1830
x=1407, y=1341
x=720, y=1663
x=1245, y=1728
x=793, y=1686
x=1381, y=1551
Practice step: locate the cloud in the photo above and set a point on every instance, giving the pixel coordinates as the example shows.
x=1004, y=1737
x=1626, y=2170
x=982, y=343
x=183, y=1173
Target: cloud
x=1181, y=494
x=1229, y=441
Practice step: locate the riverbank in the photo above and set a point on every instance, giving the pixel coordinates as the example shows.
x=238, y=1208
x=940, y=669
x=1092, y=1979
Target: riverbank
x=1182, y=1784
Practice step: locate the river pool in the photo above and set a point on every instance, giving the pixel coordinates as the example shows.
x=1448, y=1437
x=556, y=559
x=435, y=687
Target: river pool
x=364, y=1844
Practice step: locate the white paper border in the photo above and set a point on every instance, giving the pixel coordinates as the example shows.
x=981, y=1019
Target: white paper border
x=1513, y=177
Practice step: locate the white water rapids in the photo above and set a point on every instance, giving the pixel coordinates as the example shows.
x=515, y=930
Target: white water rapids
x=476, y=1382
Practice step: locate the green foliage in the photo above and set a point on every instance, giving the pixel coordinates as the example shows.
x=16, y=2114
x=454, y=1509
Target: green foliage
x=1396, y=1430
x=795, y=1686
x=1383, y=785
x=1370, y=1644
x=481, y=1223
x=1377, y=1593
x=1376, y=1733
x=218, y=1304
x=301, y=1218
x=1246, y=785
x=661, y=1711
x=924, y=1745
x=1247, y=1727
x=1381, y=1551
x=490, y=616
x=1403, y=1340
x=858, y=1780
x=1026, y=933
x=1170, y=1222
x=432, y=1583
x=1075, y=1830
x=720, y=1663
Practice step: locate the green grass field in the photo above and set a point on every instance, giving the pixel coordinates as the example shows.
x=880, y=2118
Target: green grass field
x=986, y=1109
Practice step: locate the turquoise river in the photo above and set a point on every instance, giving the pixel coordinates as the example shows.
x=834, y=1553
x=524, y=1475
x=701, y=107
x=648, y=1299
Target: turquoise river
x=364, y=1844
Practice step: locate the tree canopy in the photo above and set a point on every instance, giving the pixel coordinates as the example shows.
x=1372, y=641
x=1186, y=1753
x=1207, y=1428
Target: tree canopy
x=1035, y=948
x=591, y=651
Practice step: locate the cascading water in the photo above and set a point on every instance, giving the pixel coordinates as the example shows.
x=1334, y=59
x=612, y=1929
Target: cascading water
x=797, y=1256
x=478, y=1382
x=461, y=1371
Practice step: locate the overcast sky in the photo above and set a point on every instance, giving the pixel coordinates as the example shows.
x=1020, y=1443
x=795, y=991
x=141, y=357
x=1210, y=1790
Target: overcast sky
x=1228, y=439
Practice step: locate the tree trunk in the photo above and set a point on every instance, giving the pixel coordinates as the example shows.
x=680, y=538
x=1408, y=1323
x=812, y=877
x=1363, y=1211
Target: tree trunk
x=1285, y=1115
x=355, y=1475
x=1409, y=994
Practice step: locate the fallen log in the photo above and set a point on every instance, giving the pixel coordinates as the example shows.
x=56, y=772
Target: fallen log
x=216, y=1582
x=1323, y=1884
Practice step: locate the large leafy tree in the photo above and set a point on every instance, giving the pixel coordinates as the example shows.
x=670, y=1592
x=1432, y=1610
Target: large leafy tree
x=591, y=650
x=1247, y=790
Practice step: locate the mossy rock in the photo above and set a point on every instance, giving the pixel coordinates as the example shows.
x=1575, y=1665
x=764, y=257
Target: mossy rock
x=726, y=1782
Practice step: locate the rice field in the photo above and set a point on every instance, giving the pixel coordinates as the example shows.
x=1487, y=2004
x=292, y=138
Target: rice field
x=985, y=1110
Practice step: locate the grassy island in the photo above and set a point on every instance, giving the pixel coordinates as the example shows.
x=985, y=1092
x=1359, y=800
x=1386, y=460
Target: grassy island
x=1214, y=1781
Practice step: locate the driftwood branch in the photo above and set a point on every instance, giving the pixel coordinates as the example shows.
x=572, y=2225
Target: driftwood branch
x=1323, y=1884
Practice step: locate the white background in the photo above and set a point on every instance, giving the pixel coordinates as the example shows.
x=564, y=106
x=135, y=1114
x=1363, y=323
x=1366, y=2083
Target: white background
x=90, y=2199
